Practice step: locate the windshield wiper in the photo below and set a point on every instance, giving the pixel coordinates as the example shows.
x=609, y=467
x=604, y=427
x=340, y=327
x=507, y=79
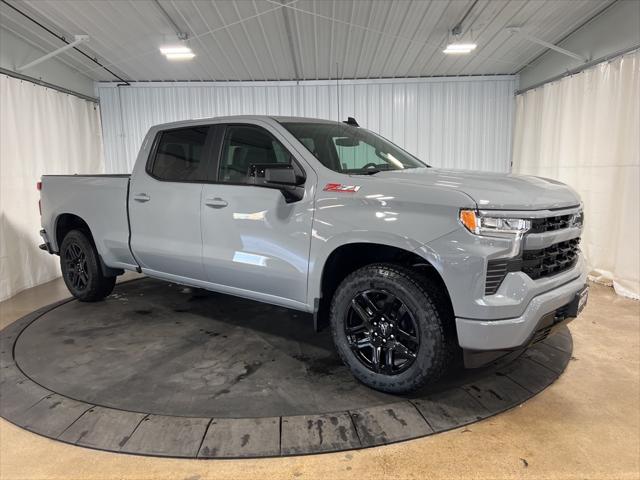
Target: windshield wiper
x=368, y=171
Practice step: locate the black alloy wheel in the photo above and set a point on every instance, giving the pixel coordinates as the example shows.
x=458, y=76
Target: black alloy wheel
x=77, y=268
x=382, y=333
x=81, y=268
x=391, y=326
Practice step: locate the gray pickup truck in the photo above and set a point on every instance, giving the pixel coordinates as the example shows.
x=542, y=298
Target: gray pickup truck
x=413, y=267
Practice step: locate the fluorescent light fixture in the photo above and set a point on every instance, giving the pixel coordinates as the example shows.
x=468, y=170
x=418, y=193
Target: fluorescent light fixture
x=174, y=49
x=179, y=52
x=180, y=56
x=460, y=48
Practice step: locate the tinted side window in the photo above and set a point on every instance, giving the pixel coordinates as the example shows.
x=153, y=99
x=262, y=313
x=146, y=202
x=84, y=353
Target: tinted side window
x=245, y=146
x=180, y=155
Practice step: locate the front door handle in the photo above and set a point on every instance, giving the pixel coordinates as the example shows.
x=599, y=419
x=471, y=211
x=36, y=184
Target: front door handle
x=141, y=197
x=216, y=202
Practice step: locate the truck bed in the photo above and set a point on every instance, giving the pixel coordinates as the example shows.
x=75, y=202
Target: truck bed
x=101, y=201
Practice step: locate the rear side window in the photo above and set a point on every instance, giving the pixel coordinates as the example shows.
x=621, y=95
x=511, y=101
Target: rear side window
x=245, y=146
x=180, y=155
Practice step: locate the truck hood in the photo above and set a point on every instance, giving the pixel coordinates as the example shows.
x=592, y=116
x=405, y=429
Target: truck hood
x=491, y=190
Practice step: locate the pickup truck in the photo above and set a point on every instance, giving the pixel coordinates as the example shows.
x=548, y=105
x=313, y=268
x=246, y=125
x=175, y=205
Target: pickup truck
x=413, y=267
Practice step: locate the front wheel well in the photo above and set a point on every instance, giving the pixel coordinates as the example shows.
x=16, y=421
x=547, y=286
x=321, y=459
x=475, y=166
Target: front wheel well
x=350, y=257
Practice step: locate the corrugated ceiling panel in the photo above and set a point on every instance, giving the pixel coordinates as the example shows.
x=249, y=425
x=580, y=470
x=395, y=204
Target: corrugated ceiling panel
x=447, y=122
x=272, y=40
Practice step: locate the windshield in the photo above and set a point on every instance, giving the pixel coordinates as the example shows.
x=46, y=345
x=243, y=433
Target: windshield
x=348, y=149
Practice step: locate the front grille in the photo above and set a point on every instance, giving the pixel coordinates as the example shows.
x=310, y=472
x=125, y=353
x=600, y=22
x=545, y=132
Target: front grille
x=535, y=263
x=549, y=224
x=551, y=260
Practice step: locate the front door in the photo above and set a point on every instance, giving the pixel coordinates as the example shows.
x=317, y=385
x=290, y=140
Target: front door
x=165, y=203
x=254, y=242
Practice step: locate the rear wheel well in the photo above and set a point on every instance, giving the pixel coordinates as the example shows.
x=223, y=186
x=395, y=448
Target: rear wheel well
x=67, y=222
x=350, y=257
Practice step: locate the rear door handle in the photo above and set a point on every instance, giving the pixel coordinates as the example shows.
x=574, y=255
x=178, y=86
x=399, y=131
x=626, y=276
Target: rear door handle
x=216, y=202
x=141, y=197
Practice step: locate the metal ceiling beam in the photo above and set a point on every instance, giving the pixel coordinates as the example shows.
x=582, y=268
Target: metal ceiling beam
x=179, y=33
x=518, y=31
x=61, y=38
x=579, y=69
x=574, y=30
x=36, y=39
x=78, y=40
x=457, y=29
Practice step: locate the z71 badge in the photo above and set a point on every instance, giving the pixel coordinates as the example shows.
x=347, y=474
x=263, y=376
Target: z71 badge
x=338, y=187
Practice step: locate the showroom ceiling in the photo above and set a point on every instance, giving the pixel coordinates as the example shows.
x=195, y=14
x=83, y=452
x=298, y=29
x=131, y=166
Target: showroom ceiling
x=303, y=39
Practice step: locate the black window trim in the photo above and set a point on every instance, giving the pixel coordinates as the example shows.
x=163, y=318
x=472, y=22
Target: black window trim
x=208, y=151
x=213, y=148
x=221, y=149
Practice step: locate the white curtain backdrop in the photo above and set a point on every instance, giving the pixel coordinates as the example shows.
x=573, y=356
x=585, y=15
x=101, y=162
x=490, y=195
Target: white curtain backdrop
x=585, y=130
x=447, y=122
x=42, y=131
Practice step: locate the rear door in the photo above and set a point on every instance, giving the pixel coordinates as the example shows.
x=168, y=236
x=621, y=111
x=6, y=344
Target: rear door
x=165, y=203
x=253, y=240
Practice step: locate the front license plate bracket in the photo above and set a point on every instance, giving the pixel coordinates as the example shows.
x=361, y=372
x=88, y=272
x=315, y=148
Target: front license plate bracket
x=578, y=303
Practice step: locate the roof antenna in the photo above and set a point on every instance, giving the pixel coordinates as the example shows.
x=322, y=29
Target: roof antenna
x=351, y=121
x=338, y=89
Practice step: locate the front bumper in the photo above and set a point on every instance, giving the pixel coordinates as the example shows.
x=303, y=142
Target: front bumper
x=513, y=333
x=507, y=318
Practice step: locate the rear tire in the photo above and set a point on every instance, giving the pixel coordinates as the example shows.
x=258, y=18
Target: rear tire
x=81, y=270
x=395, y=310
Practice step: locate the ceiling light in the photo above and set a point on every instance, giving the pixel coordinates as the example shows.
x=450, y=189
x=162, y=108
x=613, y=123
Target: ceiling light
x=180, y=56
x=460, y=48
x=175, y=49
x=179, y=52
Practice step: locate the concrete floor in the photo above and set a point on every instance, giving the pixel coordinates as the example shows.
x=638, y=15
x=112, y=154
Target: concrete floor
x=586, y=425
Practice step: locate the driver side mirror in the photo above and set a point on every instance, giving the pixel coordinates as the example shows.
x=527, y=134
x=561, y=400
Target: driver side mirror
x=281, y=176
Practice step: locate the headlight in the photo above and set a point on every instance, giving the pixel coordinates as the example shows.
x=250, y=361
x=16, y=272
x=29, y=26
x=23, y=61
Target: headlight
x=493, y=226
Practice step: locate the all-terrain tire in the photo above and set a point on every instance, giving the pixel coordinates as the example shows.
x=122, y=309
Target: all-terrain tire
x=422, y=300
x=81, y=269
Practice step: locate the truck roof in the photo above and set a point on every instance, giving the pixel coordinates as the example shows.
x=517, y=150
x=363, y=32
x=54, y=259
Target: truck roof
x=303, y=120
x=239, y=118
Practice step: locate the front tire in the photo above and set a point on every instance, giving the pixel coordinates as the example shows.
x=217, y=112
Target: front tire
x=81, y=270
x=388, y=328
